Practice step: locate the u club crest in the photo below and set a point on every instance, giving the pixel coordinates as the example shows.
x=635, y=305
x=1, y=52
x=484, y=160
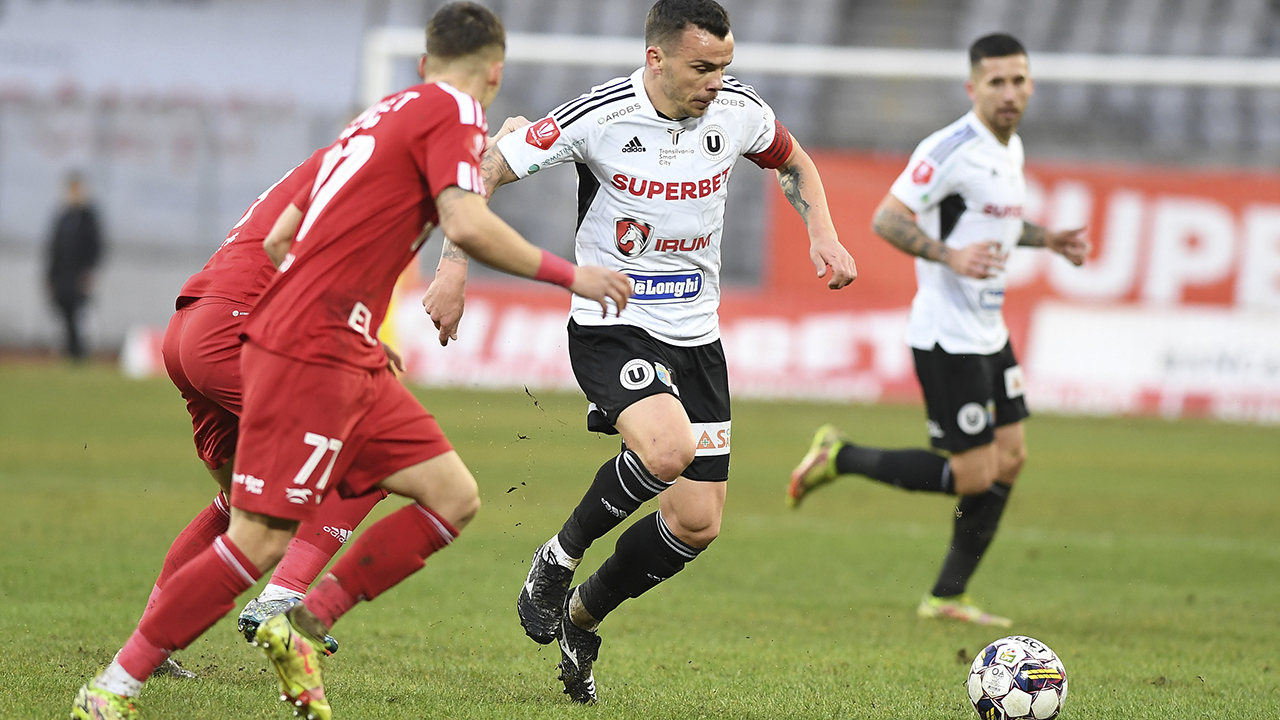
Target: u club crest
x=632, y=236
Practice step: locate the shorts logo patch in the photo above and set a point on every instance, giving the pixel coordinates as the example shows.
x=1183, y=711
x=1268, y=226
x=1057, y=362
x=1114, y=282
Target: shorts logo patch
x=636, y=374
x=712, y=438
x=972, y=418
x=250, y=483
x=664, y=375
x=935, y=430
x=298, y=496
x=1014, y=383
x=666, y=287
x=632, y=236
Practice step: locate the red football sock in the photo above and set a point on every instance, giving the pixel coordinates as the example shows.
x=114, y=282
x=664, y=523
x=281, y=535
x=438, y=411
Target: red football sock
x=199, y=593
x=320, y=538
x=391, y=550
x=194, y=538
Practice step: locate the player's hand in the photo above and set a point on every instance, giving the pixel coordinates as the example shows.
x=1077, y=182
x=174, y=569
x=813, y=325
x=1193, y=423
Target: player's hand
x=511, y=125
x=446, y=298
x=830, y=254
x=979, y=260
x=599, y=284
x=1070, y=244
x=394, y=361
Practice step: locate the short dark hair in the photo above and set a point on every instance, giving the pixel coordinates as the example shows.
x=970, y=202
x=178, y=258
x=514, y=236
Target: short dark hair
x=463, y=28
x=994, y=45
x=668, y=18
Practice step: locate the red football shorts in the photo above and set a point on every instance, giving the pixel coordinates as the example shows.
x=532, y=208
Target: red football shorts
x=306, y=429
x=202, y=355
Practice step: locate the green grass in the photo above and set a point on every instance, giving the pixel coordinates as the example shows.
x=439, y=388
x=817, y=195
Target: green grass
x=1146, y=553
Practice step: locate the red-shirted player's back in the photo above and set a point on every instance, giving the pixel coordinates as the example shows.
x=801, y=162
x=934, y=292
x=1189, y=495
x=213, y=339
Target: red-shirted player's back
x=370, y=208
x=240, y=269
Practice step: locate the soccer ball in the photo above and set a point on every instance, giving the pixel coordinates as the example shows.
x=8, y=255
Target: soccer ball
x=1016, y=678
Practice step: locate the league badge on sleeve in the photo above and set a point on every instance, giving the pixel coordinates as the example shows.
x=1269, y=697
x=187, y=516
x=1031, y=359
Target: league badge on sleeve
x=543, y=133
x=922, y=173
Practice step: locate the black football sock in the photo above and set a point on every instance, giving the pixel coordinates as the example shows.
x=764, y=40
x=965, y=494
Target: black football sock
x=977, y=517
x=907, y=469
x=621, y=486
x=646, y=554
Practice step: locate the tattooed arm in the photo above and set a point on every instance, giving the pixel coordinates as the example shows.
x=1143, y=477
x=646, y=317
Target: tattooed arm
x=1070, y=244
x=895, y=222
x=802, y=186
x=445, y=300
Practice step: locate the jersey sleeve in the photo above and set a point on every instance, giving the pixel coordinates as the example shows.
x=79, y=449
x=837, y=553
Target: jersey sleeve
x=544, y=144
x=451, y=150
x=925, y=182
x=770, y=144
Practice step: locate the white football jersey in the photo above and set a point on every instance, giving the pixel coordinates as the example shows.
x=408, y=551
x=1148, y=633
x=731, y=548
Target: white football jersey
x=965, y=187
x=651, y=195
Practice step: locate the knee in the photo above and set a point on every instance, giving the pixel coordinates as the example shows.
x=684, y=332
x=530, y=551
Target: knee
x=697, y=529
x=667, y=461
x=463, y=503
x=972, y=476
x=1011, y=462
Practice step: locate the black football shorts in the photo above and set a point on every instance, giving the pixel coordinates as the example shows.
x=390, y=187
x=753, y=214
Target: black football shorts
x=968, y=396
x=618, y=365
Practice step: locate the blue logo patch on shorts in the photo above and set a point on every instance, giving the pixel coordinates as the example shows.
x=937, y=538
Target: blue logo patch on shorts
x=666, y=287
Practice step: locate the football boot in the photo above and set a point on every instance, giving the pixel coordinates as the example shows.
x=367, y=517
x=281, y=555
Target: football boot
x=542, y=599
x=94, y=703
x=578, y=650
x=959, y=607
x=298, y=665
x=259, y=611
x=818, y=466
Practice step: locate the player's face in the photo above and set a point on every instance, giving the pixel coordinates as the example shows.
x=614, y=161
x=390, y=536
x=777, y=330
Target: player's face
x=1000, y=88
x=692, y=73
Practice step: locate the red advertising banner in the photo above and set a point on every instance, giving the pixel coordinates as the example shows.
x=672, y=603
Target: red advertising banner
x=1177, y=311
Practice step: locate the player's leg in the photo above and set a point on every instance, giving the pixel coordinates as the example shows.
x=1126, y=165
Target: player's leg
x=401, y=449
x=445, y=498
x=623, y=372
x=656, y=547
x=195, y=597
x=201, y=353
x=990, y=473
x=296, y=416
x=956, y=422
x=310, y=550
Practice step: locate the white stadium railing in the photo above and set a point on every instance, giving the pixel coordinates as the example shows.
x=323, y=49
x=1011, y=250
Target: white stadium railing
x=384, y=46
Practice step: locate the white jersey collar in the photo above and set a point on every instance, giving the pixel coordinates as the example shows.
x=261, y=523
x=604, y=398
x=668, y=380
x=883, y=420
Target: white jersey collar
x=985, y=133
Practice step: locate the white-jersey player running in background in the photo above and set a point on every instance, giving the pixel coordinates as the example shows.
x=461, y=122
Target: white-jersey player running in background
x=653, y=153
x=958, y=208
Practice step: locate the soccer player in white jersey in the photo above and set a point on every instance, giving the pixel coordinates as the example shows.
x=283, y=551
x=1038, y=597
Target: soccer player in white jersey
x=958, y=208
x=653, y=153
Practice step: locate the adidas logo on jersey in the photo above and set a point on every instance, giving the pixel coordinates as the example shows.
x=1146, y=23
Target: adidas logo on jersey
x=633, y=146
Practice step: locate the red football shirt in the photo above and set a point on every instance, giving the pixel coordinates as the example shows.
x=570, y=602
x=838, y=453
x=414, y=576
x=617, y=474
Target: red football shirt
x=370, y=208
x=240, y=269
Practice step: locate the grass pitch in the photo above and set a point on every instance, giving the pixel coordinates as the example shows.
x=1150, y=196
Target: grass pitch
x=1146, y=553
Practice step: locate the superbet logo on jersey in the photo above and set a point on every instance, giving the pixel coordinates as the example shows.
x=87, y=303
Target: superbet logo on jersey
x=632, y=236
x=543, y=133
x=923, y=173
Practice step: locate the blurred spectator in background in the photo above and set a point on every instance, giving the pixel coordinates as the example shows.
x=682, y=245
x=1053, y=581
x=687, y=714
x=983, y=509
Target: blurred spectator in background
x=75, y=246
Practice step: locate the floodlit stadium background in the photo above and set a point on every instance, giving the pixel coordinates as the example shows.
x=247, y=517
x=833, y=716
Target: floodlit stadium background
x=1157, y=122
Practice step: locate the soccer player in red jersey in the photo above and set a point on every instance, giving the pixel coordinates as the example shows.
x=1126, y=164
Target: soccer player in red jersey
x=319, y=402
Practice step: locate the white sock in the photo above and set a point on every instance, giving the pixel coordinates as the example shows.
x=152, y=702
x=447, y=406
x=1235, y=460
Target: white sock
x=278, y=592
x=561, y=557
x=115, y=680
